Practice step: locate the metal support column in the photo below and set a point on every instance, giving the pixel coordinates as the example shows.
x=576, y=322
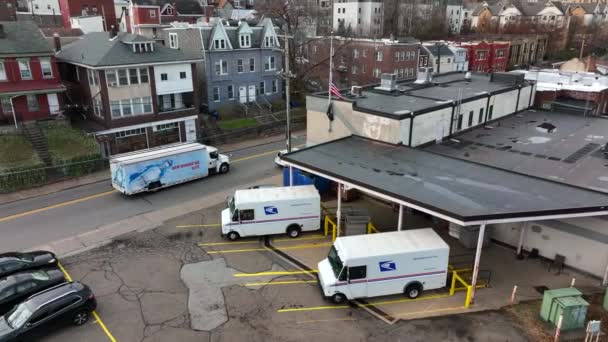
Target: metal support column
x=400, y=222
x=482, y=231
x=339, y=211
x=290, y=175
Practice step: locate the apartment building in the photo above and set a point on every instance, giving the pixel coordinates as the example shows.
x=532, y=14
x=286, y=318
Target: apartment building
x=487, y=56
x=361, y=18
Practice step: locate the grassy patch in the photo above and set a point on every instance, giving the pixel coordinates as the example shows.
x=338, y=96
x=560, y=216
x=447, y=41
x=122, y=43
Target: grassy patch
x=66, y=143
x=237, y=123
x=16, y=152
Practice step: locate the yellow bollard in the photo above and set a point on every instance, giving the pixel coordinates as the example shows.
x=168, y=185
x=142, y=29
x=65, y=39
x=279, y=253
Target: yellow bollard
x=452, y=288
x=467, y=300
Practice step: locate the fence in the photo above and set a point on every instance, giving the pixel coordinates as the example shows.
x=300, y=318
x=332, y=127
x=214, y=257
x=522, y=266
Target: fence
x=238, y=135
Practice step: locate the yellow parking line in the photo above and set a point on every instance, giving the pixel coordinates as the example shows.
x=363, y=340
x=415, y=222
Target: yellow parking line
x=55, y=206
x=228, y=243
x=411, y=313
x=95, y=315
x=265, y=249
x=389, y=302
x=260, y=274
x=326, y=320
x=287, y=282
x=312, y=237
x=199, y=225
x=256, y=156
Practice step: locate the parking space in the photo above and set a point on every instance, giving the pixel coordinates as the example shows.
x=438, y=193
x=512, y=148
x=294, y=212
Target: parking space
x=182, y=281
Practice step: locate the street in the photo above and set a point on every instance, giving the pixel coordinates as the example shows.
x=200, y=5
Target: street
x=38, y=220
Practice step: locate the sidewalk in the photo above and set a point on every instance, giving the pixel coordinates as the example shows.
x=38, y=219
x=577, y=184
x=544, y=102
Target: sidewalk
x=105, y=175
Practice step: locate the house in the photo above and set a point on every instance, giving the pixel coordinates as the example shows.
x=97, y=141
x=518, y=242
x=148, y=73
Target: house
x=148, y=17
x=487, y=56
x=241, y=63
x=85, y=8
x=459, y=15
x=135, y=92
x=45, y=13
x=518, y=15
x=363, y=18
x=443, y=59
x=587, y=13
x=361, y=61
x=29, y=78
x=524, y=49
x=8, y=10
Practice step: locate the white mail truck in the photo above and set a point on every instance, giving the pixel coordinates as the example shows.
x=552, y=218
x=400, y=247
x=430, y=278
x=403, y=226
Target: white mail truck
x=362, y=266
x=266, y=211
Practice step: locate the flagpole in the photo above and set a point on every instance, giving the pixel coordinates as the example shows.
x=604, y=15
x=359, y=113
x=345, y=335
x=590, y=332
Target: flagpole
x=331, y=73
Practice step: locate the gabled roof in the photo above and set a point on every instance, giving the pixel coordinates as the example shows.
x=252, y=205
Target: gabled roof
x=22, y=38
x=96, y=49
x=529, y=8
x=589, y=8
x=183, y=7
x=232, y=33
x=444, y=50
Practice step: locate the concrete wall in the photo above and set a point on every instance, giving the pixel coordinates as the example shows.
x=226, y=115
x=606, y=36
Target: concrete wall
x=584, y=246
x=430, y=126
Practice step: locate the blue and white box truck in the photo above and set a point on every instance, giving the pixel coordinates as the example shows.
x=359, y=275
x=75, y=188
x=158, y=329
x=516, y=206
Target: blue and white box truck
x=403, y=262
x=156, y=168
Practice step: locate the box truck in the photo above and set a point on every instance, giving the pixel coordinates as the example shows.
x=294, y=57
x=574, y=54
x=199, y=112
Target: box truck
x=156, y=168
x=267, y=211
x=371, y=265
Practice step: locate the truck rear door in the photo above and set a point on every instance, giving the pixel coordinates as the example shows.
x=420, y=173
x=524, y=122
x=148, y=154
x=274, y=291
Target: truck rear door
x=357, y=281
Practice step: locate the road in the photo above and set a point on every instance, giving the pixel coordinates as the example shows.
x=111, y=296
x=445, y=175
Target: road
x=35, y=221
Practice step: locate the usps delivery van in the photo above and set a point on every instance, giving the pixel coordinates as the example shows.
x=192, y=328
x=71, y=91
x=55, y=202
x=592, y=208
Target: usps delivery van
x=362, y=266
x=266, y=211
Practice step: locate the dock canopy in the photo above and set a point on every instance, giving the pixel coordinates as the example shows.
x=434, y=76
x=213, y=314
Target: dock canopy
x=456, y=190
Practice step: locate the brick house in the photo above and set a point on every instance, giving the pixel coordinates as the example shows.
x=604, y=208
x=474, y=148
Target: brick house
x=29, y=78
x=487, y=56
x=79, y=8
x=360, y=61
x=135, y=92
x=148, y=17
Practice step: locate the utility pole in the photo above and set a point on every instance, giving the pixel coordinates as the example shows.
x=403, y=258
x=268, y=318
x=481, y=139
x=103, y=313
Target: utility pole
x=287, y=75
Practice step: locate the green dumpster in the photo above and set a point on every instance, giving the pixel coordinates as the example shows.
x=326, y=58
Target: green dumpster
x=567, y=302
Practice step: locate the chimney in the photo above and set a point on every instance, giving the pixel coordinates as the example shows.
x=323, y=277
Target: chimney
x=57, y=42
x=174, y=11
x=2, y=35
x=113, y=31
x=208, y=10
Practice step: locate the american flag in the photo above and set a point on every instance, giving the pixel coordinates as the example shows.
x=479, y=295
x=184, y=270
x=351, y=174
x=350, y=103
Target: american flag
x=333, y=90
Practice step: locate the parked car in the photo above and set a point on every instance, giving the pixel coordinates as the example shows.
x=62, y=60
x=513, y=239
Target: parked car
x=65, y=303
x=277, y=159
x=14, y=262
x=17, y=287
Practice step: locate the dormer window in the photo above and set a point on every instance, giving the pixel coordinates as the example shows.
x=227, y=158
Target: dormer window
x=169, y=11
x=245, y=40
x=142, y=47
x=268, y=41
x=219, y=43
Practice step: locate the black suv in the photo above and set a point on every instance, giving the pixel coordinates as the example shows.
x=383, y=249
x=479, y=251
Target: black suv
x=17, y=287
x=66, y=303
x=14, y=262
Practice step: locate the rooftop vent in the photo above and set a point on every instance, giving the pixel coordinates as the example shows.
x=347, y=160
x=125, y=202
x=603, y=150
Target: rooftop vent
x=467, y=76
x=356, y=91
x=388, y=82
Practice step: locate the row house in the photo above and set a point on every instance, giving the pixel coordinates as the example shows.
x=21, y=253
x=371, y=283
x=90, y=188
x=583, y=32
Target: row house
x=148, y=17
x=587, y=14
x=361, y=61
x=29, y=78
x=136, y=92
x=242, y=64
x=443, y=57
x=459, y=14
x=486, y=56
x=58, y=13
x=513, y=15
x=524, y=49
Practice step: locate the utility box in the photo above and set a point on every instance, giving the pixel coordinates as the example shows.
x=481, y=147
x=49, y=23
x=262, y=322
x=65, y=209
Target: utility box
x=568, y=302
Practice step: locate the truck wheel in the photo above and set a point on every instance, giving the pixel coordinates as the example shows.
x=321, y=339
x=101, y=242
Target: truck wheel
x=154, y=186
x=224, y=168
x=338, y=298
x=413, y=290
x=233, y=236
x=293, y=231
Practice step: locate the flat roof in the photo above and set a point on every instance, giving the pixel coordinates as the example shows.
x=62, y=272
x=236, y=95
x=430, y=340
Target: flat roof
x=276, y=194
x=399, y=242
x=460, y=191
x=569, y=153
x=156, y=152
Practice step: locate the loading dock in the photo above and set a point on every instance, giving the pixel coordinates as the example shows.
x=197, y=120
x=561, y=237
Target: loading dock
x=457, y=191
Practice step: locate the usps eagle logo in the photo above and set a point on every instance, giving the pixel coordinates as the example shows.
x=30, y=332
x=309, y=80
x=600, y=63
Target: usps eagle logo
x=271, y=210
x=387, y=266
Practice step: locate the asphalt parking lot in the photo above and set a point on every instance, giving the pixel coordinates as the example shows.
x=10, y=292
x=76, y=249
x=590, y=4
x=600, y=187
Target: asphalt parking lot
x=182, y=282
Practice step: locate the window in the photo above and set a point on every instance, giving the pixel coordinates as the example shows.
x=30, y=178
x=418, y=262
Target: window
x=471, y=113
x=143, y=75
x=24, y=69
x=355, y=70
x=92, y=77
x=152, y=13
x=459, y=126
x=268, y=41
x=6, y=105
x=126, y=107
x=262, y=87
x=133, y=78
x=115, y=108
x=357, y=272
x=247, y=215
x=355, y=53
x=230, y=92
x=481, y=55
x=221, y=67
x=501, y=53
x=166, y=127
x=378, y=56
x=219, y=44
x=239, y=66
x=376, y=72
x=173, y=41
x=164, y=77
x=147, y=103
x=480, y=115
x=245, y=40
x=270, y=64
x=2, y=72
x=111, y=78
x=252, y=64
x=182, y=75
x=275, y=86
x=169, y=11
x=490, y=112
x=32, y=103
x=131, y=132
x=47, y=70
x=123, y=79
x=216, y=94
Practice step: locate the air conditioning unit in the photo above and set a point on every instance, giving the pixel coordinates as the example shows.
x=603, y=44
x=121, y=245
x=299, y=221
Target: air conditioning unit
x=112, y=84
x=356, y=91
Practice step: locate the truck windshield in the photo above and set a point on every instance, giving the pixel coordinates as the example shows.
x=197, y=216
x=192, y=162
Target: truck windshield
x=231, y=206
x=213, y=155
x=334, y=261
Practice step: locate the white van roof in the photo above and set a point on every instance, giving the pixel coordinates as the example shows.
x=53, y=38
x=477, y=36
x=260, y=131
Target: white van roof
x=157, y=152
x=276, y=194
x=380, y=244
